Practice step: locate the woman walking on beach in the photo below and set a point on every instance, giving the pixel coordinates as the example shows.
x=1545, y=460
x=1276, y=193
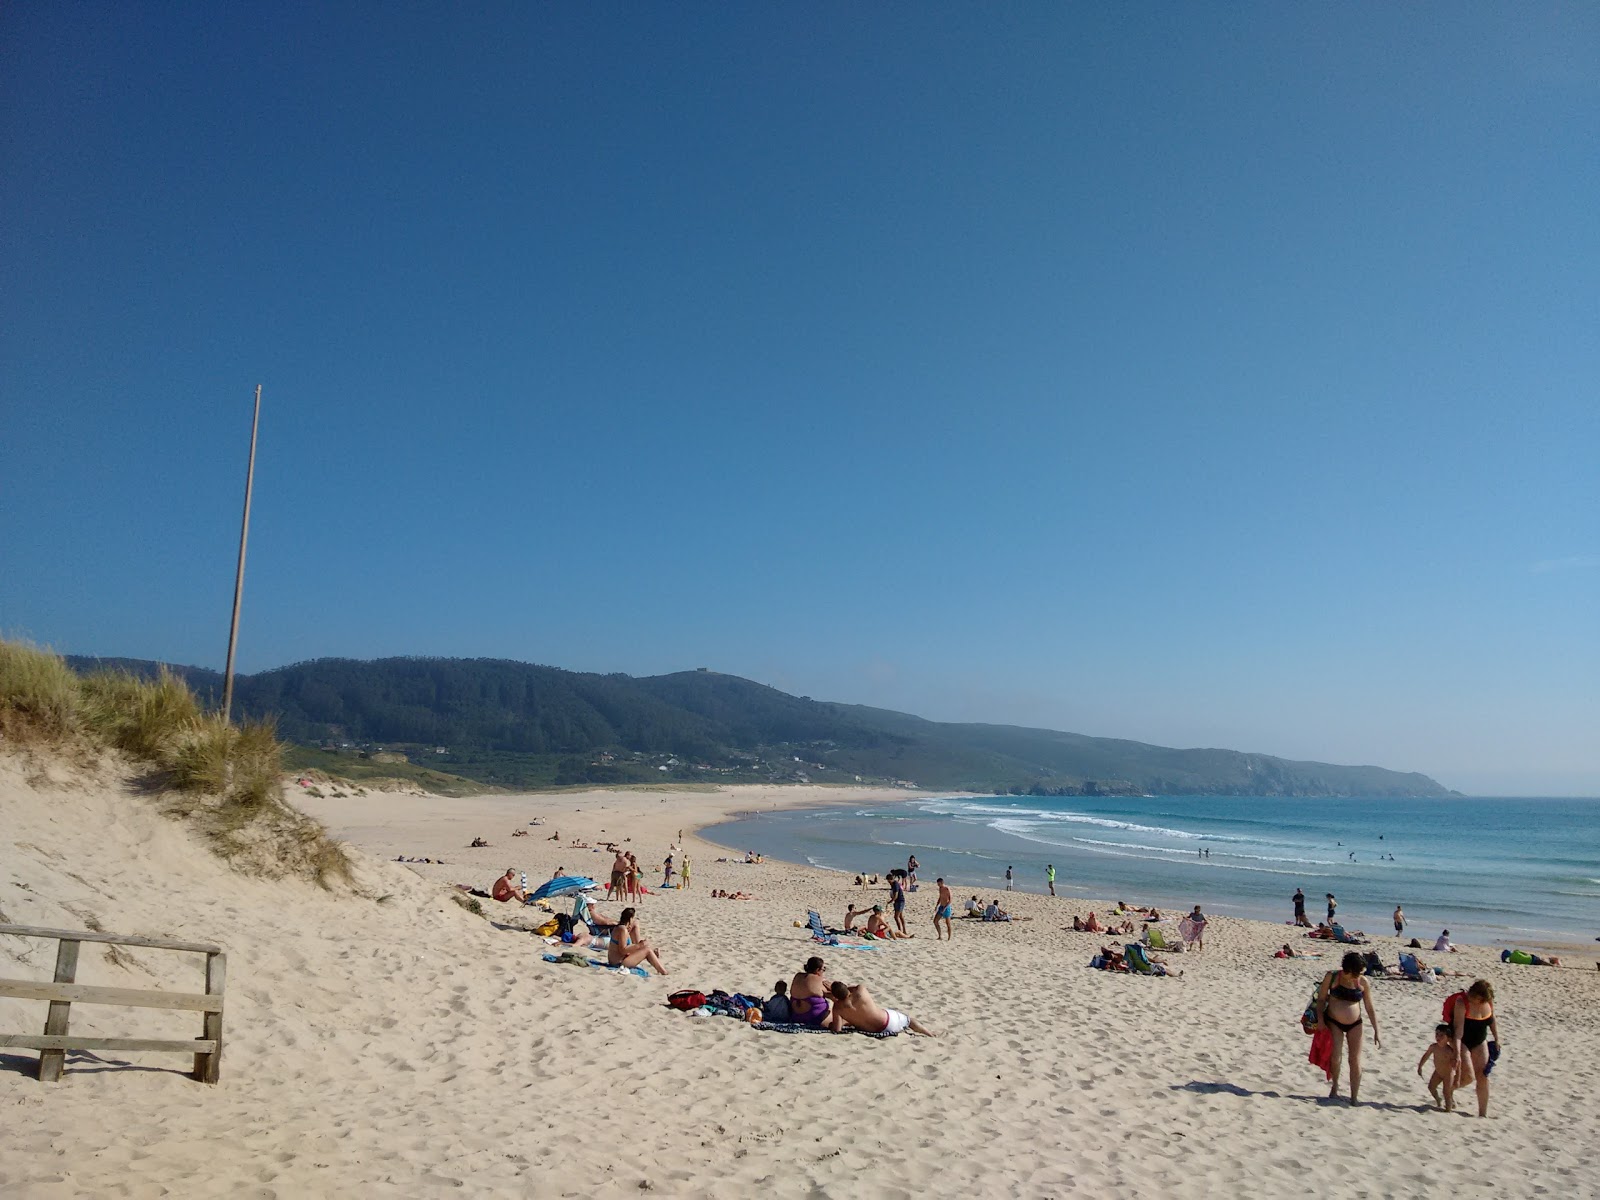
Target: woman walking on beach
x=1340, y=1000
x=1472, y=1024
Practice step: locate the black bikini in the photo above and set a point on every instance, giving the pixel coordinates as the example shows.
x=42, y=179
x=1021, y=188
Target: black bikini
x=1349, y=995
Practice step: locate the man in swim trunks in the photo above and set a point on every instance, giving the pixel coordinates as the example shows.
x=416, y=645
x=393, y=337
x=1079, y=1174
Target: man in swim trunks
x=854, y=1006
x=619, y=875
x=808, y=995
x=941, y=910
x=504, y=889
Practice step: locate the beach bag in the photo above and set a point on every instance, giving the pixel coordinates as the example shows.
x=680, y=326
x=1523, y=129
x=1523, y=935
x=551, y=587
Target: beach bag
x=1308, y=1018
x=687, y=1000
x=548, y=928
x=563, y=924
x=1374, y=963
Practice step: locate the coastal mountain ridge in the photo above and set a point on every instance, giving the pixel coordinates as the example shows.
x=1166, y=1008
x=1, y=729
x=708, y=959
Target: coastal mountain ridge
x=521, y=725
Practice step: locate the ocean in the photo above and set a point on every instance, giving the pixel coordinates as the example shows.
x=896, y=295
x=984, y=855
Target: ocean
x=1492, y=871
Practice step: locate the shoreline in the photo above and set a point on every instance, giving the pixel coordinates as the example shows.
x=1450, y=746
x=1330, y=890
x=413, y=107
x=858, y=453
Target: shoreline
x=1545, y=946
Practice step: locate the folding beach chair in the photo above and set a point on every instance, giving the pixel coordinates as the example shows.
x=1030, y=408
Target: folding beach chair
x=819, y=932
x=1158, y=941
x=1137, y=962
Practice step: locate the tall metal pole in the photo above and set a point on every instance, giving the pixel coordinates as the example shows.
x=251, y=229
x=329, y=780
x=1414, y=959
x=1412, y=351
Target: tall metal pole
x=238, y=583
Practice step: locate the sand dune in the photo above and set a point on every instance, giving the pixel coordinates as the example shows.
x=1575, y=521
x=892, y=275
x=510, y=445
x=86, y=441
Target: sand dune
x=405, y=1047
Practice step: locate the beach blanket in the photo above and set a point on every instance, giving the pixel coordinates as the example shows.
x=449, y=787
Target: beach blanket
x=577, y=960
x=791, y=1027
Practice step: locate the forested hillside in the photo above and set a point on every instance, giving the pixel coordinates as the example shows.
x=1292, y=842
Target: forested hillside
x=521, y=725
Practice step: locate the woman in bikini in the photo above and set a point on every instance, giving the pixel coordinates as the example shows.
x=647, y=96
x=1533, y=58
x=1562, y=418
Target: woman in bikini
x=808, y=995
x=627, y=948
x=1473, y=1023
x=1340, y=999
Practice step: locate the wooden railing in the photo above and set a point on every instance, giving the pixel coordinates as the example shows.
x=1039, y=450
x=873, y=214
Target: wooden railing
x=64, y=992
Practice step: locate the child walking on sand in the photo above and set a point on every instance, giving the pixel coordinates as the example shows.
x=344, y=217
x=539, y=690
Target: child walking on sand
x=1443, y=1054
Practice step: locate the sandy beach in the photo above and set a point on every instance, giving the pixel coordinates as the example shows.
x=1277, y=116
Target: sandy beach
x=396, y=1043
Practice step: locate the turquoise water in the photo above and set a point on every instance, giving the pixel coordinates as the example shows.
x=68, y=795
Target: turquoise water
x=1489, y=870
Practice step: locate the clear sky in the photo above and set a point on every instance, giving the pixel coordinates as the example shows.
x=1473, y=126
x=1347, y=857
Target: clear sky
x=1206, y=376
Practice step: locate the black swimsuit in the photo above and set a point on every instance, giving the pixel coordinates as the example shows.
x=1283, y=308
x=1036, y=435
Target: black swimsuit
x=1351, y=995
x=1474, y=1032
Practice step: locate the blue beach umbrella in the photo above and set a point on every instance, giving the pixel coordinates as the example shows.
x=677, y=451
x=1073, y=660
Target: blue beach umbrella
x=562, y=886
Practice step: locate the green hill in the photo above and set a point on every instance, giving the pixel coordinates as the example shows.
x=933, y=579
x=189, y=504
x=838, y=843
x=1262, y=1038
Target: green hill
x=520, y=725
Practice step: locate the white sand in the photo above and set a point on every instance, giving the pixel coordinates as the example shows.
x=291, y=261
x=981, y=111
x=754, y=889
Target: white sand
x=408, y=1048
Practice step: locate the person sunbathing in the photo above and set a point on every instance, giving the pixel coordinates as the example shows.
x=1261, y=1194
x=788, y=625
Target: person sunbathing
x=628, y=948
x=879, y=927
x=504, y=889
x=1112, y=960
x=850, y=915
x=808, y=995
x=855, y=1007
x=1287, y=952
x=1092, y=925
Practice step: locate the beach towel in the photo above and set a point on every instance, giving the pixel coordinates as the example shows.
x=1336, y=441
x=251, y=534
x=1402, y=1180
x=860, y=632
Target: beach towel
x=820, y=934
x=791, y=1027
x=1191, y=930
x=579, y=960
x=1321, y=1054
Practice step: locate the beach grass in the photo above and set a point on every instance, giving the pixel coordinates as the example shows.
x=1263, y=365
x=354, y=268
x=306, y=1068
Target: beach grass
x=226, y=780
x=39, y=698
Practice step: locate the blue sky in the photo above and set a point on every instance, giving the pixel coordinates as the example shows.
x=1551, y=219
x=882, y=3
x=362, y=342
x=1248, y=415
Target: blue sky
x=1202, y=376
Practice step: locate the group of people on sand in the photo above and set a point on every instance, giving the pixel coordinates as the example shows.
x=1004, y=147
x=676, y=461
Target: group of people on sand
x=1462, y=1051
x=624, y=879
x=813, y=999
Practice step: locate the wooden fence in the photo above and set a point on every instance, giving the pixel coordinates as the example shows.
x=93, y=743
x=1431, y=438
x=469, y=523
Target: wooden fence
x=64, y=992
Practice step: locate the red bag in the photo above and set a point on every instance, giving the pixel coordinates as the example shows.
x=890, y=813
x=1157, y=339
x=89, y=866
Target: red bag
x=686, y=1000
x=1450, y=1006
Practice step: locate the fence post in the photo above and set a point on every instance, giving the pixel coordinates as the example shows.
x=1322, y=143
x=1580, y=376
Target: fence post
x=208, y=1066
x=55, y=1023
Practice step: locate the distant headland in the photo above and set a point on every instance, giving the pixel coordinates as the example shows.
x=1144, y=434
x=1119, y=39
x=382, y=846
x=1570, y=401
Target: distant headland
x=518, y=725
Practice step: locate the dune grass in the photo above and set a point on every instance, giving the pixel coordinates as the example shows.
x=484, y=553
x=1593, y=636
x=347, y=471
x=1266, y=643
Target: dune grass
x=224, y=779
x=39, y=699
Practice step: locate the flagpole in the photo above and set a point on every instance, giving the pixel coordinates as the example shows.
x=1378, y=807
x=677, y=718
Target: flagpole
x=238, y=582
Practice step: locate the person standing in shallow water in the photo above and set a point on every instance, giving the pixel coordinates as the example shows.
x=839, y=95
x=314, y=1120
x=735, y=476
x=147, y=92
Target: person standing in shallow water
x=1340, y=1000
x=1050, y=878
x=1008, y=879
x=1399, y=921
x=1300, y=917
x=1332, y=905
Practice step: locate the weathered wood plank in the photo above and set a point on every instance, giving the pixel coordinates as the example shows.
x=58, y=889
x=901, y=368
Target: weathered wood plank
x=80, y=993
x=32, y=1041
x=116, y=939
x=55, y=1023
x=208, y=1063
